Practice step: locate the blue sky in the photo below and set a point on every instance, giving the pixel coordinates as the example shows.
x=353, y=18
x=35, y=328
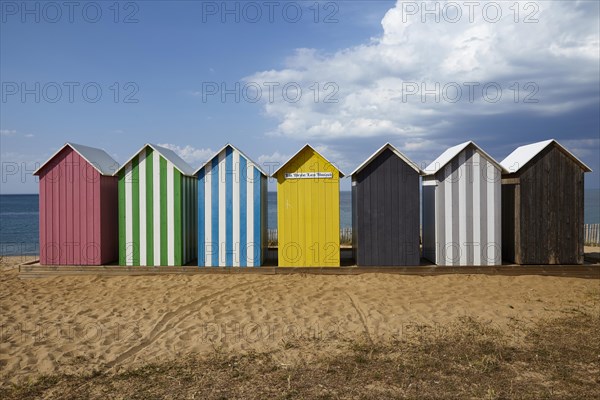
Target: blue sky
x=375, y=59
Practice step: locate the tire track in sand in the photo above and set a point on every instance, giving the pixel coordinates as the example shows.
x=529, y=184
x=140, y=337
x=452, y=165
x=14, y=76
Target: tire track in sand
x=161, y=326
x=361, y=314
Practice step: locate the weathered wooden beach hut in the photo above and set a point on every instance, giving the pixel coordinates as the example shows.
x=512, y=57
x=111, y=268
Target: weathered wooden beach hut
x=386, y=210
x=157, y=209
x=78, y=207
x=462, y=208
x=308, y=211
x=232, y=211
x=542, y=205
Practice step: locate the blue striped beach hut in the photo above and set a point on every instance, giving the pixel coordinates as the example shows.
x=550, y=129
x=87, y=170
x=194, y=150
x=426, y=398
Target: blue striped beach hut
x=232, y=211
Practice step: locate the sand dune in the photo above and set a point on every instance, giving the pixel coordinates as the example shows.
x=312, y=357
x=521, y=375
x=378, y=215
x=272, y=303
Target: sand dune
x=70, y=324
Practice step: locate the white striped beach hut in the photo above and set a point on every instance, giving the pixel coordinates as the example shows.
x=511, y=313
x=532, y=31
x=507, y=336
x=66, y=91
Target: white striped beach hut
x=232, y=211
x=157, y=209
x=461, y=208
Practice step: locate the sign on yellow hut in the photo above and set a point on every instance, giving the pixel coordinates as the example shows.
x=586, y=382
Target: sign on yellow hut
x=308, y=211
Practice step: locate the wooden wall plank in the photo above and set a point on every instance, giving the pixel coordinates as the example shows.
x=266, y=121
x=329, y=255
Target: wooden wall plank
x=386, y=209
x=70, y=213
x=308, y=213
x=548, y=215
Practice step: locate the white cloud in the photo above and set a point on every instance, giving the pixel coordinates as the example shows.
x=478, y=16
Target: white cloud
x=276, y=157
x=18, y=171
x=582, y=148
x=193, y=156
x=336, y=157
x=13, y=132
x=271, y=162
x=559, y=54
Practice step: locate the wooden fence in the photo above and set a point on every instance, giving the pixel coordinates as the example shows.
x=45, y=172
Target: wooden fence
x=592, y=234
x=345, y=236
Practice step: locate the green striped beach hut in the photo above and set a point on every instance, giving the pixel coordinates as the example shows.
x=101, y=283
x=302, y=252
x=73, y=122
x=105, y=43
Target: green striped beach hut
x=158, y=206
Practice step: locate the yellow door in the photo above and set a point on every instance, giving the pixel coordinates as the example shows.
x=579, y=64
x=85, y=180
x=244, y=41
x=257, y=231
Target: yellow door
x=308, y=211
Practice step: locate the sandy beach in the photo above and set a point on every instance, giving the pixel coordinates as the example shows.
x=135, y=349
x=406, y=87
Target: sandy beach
x=72, y=324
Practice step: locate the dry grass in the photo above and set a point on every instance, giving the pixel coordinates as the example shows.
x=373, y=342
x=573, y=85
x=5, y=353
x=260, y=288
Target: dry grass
x=470, y=359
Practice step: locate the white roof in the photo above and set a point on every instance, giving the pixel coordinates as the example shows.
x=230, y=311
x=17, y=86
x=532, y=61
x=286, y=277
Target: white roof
x=238, y=150
x=523, y=154
x=298, y=152
x=378, y=152
x=454, y=151
x=169, y=155
x=99, y=159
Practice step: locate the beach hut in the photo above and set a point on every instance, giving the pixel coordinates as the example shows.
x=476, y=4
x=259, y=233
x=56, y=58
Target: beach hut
x=78, y=207
x=386, y=210
x=461, y=208
x=232, y=211
x=542, y=205
x=157, y=209
x=308, y=211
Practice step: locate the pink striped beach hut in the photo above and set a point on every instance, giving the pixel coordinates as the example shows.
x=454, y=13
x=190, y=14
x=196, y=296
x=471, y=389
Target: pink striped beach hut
x=78, y=207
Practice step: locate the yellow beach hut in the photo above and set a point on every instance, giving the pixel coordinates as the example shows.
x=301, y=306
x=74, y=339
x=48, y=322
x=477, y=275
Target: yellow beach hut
x=308, y=211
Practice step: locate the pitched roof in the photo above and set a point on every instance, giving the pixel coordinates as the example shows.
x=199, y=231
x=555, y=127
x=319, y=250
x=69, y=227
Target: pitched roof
x=381, y=150
x=169, y=155
x=523, y=154
x=298, y=152
x=99, y=159
x=239, y=151
x=451, y=153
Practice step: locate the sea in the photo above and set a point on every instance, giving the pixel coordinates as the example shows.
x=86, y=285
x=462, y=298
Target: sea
x=19, y=219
